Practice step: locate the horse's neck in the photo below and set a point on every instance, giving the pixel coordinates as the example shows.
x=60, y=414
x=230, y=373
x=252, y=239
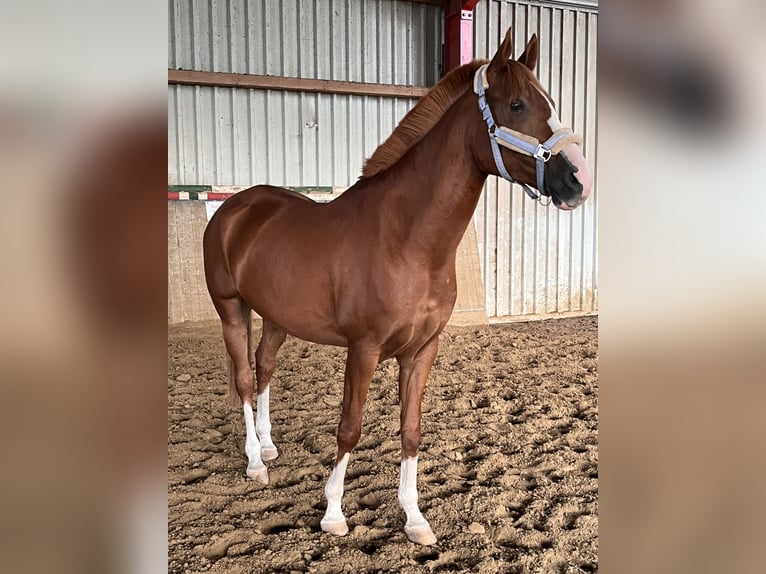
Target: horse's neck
x=440, y=184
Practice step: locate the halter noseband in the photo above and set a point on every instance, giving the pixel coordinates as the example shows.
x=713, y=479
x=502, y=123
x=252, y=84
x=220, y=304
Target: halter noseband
x=517, y=141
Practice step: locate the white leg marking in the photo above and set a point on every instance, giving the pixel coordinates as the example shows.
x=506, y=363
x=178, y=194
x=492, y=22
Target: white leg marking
x=417, y=528
x=334, y=522
x=263, y=427
x=255, y=467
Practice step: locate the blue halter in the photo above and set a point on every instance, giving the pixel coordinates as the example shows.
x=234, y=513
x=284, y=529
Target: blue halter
x=517, y=141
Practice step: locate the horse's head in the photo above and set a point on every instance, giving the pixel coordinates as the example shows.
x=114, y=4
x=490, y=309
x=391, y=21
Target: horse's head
x=527, y=142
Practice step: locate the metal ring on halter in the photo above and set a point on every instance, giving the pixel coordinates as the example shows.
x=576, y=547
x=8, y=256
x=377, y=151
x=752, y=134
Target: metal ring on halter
x=529, y=191
x=543, y=153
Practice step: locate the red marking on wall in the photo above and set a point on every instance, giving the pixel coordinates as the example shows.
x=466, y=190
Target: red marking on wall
x=458, y=33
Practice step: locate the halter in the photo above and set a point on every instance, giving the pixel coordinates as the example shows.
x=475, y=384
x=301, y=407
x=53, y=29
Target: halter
x=517, y=141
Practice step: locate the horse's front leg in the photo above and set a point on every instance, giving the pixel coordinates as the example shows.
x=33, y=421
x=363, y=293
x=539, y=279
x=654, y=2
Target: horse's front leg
x=360, y=366
x=413, y=374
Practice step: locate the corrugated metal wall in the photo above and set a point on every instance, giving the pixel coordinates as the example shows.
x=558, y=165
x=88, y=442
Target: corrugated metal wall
x=536, y=260
x=226, y=136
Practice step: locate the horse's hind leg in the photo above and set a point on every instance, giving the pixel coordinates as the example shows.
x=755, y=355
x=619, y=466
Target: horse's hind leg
x=235, y=316
x=265, y=361
x=413, y=374
x=360, y=366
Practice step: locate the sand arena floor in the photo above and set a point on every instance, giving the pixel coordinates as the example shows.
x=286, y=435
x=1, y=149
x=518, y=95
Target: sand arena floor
x=508, y=473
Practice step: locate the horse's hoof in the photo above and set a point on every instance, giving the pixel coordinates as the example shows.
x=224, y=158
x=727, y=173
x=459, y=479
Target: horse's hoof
x=269, y=453
x=336, y=528
x=420, y=534
x=260, y=474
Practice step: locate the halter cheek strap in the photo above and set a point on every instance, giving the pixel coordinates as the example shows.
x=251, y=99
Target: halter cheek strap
x=517, y=141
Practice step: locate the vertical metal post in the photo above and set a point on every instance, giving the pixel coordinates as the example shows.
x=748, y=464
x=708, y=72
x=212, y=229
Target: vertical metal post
x=458, y=33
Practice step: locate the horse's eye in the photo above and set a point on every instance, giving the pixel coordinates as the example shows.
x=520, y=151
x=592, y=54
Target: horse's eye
x=516, y=106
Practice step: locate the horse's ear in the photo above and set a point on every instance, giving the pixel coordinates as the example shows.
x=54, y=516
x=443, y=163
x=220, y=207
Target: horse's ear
x=500, y=59
x=531, y=52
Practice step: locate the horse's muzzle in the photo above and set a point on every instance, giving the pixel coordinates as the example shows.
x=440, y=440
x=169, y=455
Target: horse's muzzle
x=567, y=182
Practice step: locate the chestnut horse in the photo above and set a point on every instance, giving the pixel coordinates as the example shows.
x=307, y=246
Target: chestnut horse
x=374, y=270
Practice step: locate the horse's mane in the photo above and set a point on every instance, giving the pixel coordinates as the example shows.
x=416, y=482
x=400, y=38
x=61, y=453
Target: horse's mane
x=420, y=119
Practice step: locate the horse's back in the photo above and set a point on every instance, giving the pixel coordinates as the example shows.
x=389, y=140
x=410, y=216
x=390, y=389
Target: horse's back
x=249, y=209
x=258, y=201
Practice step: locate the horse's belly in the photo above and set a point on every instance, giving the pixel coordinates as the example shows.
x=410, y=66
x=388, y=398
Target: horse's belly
x=297, y=299
x=315, y=331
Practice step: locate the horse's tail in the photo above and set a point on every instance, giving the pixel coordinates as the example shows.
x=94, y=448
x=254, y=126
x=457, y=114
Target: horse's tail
x=236, y=401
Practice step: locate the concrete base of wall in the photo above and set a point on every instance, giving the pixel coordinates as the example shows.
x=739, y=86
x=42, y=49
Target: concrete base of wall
x=188, y=299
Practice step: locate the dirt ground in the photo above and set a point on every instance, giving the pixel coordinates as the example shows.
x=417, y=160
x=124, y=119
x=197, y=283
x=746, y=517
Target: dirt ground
x=508, y=473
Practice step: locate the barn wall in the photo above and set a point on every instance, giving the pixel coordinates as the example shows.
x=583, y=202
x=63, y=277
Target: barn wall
x=534, y=261
x=378, y=41
x=539, y=261
x=230, y=136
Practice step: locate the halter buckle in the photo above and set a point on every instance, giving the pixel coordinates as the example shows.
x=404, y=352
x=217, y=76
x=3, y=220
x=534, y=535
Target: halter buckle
x=543, y=153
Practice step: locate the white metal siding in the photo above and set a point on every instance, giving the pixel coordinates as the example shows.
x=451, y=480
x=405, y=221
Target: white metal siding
x=536, y=260
x=380, y=41
x=225, y=136
x=231, y=136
